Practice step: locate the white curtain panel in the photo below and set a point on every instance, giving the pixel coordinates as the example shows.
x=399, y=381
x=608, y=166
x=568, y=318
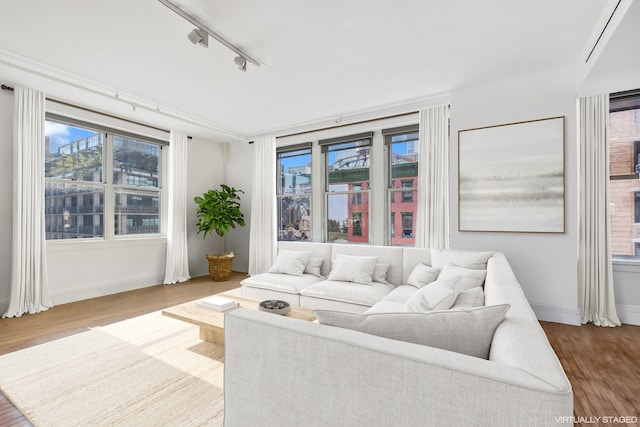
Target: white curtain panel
x=262, y=243
x=177, y=264
x=29, y=283
x=595, y=272
x=432, y=217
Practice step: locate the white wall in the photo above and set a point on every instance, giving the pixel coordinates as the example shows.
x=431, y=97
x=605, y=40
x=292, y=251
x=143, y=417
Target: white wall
x=88, y=269
x=240, y=176
x=545, y=264
x=206, y=171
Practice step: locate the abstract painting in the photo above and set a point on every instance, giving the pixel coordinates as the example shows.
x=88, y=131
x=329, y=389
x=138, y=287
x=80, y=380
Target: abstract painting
x=511, y=177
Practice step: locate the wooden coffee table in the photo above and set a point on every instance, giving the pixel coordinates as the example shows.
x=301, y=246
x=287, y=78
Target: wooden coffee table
x=211, y=322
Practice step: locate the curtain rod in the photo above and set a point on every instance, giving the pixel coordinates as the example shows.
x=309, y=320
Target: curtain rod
x=57, y=101
x=348, y=124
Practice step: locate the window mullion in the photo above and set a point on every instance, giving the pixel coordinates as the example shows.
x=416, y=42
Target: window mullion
x=109, y=194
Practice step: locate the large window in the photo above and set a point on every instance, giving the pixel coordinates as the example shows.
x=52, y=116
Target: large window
x=99, y=184
x=347, y=161
x=624, y=166
x=402, y=165
x=293, y=192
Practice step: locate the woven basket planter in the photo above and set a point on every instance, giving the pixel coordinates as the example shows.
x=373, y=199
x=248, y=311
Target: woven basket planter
x=220, y=266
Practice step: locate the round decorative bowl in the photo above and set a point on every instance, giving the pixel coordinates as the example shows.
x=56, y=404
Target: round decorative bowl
x=275, y=306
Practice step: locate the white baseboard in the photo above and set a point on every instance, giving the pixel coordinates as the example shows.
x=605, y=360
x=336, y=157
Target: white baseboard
x=629, y=314
x=63, y=296
x=557, y=314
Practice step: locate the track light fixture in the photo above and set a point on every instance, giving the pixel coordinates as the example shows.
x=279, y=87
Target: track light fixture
x=200, y=35
x=241, y=62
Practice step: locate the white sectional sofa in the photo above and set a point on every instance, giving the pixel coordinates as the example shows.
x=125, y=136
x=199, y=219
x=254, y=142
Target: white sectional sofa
x=286, y=372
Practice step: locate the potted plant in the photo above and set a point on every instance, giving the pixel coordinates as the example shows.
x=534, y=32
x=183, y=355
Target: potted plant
x=219, y=211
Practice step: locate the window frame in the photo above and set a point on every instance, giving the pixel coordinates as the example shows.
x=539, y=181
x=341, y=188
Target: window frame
x=305, y=149
x=351, y=195
x=107, y=195
x=619, y=102
x=391, y=197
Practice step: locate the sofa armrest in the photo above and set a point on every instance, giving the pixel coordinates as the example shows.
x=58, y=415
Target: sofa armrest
x=287, y=372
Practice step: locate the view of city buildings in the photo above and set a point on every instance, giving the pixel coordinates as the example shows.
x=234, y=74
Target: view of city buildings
x=624, y=165
x=294, y=197
x=347, y=196
x=75, y=187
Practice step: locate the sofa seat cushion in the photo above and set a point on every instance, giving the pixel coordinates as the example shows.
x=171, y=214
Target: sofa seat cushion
x=350, y=292
x=281, y=282
x=387, y=307
x=400, y=294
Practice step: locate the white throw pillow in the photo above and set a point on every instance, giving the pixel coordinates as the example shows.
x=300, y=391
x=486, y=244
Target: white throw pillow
x=356, y=269
x=290, y=262
x=313, y=266
x=436, y=296
x=380, y=272
x=464, y=331
x=473, y=297
x=469, y=259
x=422, y=275
x=466, y=278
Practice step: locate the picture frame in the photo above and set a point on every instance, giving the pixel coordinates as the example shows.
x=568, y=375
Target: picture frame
x=511, y=177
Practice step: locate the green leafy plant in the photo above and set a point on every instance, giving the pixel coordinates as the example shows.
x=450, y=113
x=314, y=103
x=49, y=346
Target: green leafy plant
x=219, y=211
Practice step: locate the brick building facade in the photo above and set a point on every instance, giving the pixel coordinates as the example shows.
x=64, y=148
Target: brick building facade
x=624, y=163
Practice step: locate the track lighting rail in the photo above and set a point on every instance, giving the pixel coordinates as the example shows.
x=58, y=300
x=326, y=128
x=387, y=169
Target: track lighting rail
x=209, y=31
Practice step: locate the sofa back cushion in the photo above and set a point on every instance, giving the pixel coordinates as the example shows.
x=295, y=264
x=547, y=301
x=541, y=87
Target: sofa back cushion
x=469, y=259
x=463, y=331
x=412, y=257
x=385, y=254
x=317, y=249
x=292, y=263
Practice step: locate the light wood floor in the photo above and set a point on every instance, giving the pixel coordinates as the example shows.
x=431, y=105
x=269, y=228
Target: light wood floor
x=603, y=364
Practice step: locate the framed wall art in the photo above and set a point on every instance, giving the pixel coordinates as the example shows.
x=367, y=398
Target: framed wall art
x=511, y=177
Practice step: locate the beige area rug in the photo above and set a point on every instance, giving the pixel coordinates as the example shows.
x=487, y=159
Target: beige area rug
x=146, y=371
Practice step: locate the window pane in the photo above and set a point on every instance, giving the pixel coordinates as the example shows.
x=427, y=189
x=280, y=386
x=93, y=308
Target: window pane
x=73, y=211
x=72, y=152
x=347, y=163
x=294, y=172
x=136, y=212
x=294, y=190
x=135, y=162
x=624, y=158
x=294, y=218
x=403, y=182
x=404, y=155
x=346, y=221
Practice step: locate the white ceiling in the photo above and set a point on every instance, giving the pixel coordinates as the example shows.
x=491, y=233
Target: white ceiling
x=320, y=60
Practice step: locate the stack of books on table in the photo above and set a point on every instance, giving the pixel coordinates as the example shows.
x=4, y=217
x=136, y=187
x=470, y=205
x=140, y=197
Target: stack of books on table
x=217, y=303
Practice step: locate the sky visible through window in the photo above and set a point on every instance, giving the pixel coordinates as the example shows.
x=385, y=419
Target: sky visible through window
x=60, y=134
x=295, y=161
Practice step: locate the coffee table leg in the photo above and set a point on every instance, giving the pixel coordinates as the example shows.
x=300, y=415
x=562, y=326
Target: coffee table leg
x=214, y=335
